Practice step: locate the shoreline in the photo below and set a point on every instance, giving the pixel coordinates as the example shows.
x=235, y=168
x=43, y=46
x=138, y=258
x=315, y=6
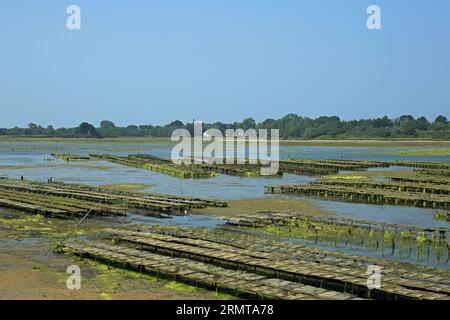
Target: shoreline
x=166, y=140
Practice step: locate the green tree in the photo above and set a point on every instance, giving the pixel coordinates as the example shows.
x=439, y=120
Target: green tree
x=249, y=123
x=441, y=119
x=106, y=124
x=86, y=129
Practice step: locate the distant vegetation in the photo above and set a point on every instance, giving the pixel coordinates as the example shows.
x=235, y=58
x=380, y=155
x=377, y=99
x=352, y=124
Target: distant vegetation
x=291, y=127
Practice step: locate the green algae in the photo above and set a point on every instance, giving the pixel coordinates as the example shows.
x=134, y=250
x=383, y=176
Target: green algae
x=108, y=272
x=109, y=279
x=355, y=236
x=57, y=275
x=25, y=224
x=441, y=215
x=188, y=289
x=105, y=296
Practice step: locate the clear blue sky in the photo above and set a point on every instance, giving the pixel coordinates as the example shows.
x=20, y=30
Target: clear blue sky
x=151, y=62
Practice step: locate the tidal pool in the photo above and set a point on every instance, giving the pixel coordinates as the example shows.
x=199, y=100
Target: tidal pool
x=410, y=216
x=192, y=220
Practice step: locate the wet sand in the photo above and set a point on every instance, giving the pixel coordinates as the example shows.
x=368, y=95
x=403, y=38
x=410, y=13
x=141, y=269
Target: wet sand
x=276, y=203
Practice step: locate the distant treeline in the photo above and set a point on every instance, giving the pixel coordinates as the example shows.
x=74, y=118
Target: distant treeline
x=291, y=126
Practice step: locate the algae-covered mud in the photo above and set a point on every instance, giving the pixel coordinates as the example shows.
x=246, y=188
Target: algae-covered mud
x=150, y=230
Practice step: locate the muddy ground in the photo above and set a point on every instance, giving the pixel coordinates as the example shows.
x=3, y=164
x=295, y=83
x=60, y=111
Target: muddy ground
x=275, y=203
x=29, y=269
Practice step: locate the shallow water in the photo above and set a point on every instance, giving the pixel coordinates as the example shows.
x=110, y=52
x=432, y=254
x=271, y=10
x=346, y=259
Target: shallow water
x=193, y=220
x=33, y=156
x=222, y=186
x=410, y=216
x=405, y=253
